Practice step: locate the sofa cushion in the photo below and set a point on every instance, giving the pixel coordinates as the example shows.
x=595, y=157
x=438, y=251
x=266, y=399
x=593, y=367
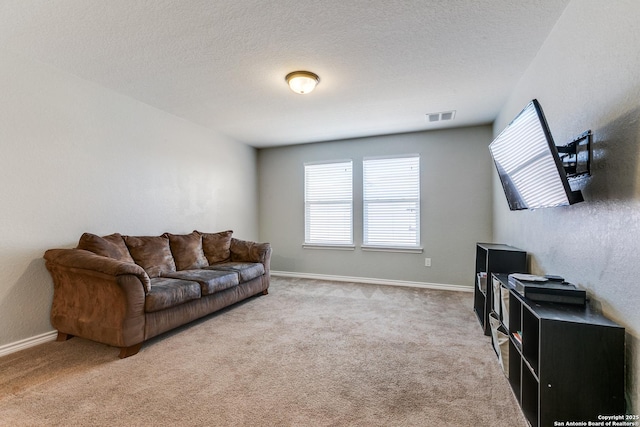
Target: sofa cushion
x=211, y=281
x=111, y=246
x=246, y=270
x=151, y=253
x=216, y=246
x=187, y=250
x=166, y=292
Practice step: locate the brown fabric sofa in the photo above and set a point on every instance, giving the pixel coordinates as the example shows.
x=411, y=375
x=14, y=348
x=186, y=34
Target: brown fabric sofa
x=123, y=290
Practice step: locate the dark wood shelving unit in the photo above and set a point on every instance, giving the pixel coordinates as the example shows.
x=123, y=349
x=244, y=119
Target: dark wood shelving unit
x=493, y=258
x=570, y=363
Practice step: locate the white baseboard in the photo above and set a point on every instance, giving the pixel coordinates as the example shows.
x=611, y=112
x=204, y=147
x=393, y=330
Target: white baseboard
x=373, y=281
x=28, y=342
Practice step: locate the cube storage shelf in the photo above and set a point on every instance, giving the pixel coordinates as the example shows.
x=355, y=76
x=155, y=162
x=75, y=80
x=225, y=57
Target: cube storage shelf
x=493, y=258
x=565, y=362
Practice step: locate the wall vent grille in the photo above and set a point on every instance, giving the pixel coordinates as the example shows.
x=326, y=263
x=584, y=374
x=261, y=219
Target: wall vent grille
x=441, y=116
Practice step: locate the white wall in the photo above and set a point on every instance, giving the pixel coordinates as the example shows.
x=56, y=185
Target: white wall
x=76, y=157
x=586, y=76
x=455, y=210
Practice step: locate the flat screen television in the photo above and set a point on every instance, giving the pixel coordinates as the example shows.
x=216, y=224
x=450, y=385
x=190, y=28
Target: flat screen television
x=528, y=163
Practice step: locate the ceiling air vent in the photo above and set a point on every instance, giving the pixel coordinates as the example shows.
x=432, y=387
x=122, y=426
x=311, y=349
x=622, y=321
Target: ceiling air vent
x=444, y=115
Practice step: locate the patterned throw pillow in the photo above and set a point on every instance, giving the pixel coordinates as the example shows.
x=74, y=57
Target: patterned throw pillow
x=187, y=250
x=151, y=253
x=111, y=246
x=216, y=246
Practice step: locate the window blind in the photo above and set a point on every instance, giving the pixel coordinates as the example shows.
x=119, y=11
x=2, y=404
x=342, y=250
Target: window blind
x=328, y=200
x=391, y=202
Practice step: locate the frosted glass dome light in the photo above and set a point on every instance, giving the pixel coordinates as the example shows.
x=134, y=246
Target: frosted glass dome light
x=302, y=82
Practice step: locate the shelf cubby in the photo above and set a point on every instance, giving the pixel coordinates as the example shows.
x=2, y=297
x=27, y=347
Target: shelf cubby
x=530, y=339
x=529, y=399
x=515, y=370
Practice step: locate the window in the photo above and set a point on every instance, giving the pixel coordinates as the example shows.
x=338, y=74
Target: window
x=328, y=205
x=391, y=202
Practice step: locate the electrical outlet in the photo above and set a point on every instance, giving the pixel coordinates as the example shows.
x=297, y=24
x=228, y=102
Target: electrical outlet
x=427, y=262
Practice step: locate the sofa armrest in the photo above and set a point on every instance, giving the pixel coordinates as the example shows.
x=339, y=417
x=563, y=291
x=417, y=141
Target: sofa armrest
x=244, y=250
x=85, y=260
x=96, y=297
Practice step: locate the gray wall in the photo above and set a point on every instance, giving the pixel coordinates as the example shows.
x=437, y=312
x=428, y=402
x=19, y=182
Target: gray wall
x=586, y=76
x=77, y=157
x=455, y=210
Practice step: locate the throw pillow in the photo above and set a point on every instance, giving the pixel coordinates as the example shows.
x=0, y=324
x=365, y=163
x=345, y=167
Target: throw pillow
x=243, y=250
x=216, y=246
x=187, y=250
x=111, y=246
x=151, y=253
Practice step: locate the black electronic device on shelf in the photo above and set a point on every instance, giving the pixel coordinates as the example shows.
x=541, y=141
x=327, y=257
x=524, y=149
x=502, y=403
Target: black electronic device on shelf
x=544, y=289
x=533, y=171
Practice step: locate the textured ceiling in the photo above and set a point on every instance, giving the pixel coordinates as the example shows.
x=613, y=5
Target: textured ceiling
x=383, y=64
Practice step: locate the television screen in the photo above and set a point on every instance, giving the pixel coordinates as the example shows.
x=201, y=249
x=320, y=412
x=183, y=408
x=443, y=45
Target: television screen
x=528, y=163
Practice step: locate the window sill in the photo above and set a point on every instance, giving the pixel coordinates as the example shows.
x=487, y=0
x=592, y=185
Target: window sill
x=330, y=247
x=409, y=250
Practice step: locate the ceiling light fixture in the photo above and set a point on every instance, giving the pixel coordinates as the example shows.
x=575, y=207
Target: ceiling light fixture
x=302, y=81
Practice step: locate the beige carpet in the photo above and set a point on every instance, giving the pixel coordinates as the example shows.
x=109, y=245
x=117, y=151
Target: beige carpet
x=310, y=353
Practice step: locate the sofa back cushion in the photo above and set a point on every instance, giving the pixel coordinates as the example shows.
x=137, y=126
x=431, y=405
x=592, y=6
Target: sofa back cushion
x=111, y=246
x=187, y=250
x=217, y=246
x=152, y=253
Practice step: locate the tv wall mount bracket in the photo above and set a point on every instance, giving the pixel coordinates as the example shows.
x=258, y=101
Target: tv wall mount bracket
x=576, y=156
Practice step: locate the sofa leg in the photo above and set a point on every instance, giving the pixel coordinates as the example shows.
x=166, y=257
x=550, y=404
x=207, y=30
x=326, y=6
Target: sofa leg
x=129, y=351
x=63, y=337
x=265, y=292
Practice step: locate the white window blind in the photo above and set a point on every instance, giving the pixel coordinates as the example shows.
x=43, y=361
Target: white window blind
x=328, y=203
x=391, y=202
